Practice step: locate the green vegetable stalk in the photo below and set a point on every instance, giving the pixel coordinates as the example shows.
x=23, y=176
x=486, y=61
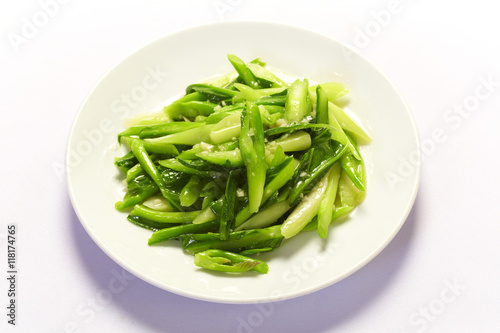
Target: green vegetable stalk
x=177, y=231
x=191, y=191
x=226, y=216
x=327, y=207
x=244, y=72
x=252, y=150
x=238, y=241
x=164, y=217
x=147, y=164
x=304, y=212
x=353, y=167
x=224, y=261
x=297, y=104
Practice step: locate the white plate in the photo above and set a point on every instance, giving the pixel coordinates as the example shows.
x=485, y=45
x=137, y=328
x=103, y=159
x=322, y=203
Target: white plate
x=160, y=71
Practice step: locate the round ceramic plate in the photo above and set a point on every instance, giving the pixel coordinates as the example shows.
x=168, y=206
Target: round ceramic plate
x=154, y=75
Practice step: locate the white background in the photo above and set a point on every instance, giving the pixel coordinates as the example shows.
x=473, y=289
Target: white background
x=439, y=274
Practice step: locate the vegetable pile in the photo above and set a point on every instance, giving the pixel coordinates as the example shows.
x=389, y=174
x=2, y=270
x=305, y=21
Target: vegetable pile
x=240, y=163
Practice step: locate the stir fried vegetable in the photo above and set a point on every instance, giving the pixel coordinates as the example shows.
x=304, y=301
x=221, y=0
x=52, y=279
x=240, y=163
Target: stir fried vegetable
x=240, y=164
